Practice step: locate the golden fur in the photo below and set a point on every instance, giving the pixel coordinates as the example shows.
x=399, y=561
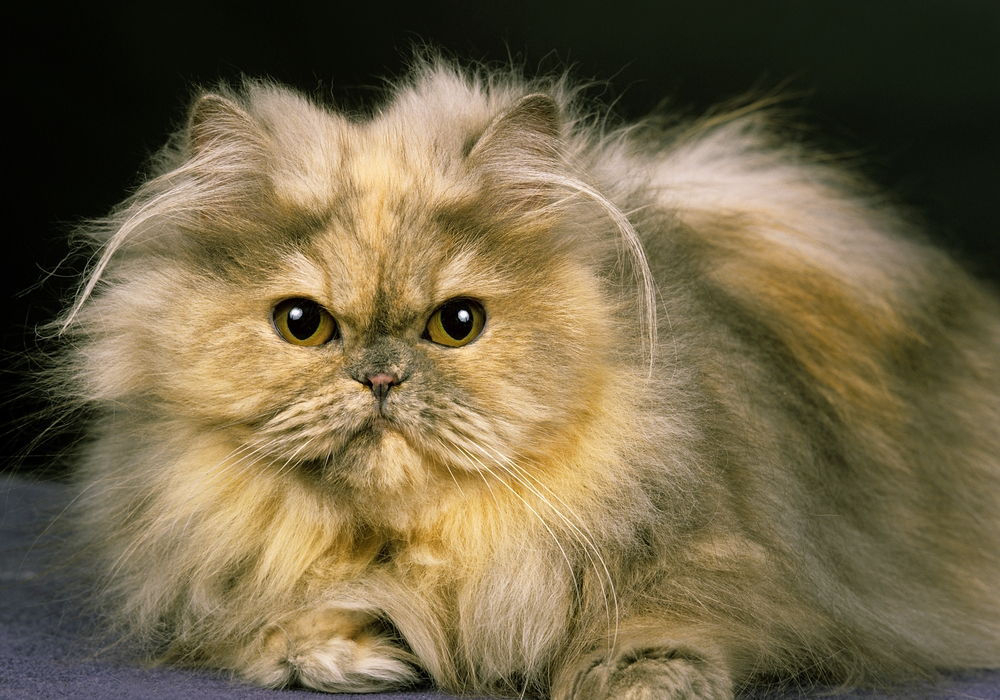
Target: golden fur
x=727, y=418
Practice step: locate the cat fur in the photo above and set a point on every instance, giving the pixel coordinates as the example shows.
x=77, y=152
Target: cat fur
x=729, y=419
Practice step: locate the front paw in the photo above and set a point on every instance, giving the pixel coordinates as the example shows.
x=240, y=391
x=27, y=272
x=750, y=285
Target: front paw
x=646, y=674
x=332, y=650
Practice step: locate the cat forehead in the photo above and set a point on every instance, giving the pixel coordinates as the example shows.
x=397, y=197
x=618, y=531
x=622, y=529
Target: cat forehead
x=383, y=189
x=397, y=199
x=383, y=209
x=346, y=270
x=377, y=163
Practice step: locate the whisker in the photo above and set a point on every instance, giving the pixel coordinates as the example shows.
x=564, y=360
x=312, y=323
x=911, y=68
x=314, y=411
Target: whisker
x=534, y=512
x=220, y=468
x=452, y=473
x=581, y=532
x=291, y=458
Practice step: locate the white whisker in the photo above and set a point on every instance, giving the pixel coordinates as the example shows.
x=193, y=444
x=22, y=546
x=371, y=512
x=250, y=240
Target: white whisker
x=581, y=532
x=555, y=538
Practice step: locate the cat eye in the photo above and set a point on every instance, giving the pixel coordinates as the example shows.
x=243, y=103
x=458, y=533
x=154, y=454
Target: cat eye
x=303, y=322
x=456, y=323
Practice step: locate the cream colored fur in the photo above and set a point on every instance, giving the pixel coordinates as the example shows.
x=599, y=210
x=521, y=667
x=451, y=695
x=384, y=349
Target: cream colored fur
x=728, y=418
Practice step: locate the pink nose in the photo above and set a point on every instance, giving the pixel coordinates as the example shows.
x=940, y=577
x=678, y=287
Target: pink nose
x=381, y=384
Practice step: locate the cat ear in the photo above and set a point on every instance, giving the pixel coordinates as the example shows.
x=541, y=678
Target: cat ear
x=227, y=150
x=217, y=122
x=518, y=155
x=528, y=130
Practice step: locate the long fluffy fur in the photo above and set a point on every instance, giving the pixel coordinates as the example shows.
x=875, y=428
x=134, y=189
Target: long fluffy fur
x=728, y=418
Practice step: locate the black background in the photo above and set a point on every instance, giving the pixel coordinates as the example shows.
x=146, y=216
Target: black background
x=911, y=87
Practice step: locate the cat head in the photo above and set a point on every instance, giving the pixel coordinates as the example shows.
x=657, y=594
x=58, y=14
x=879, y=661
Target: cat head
x=365, y=302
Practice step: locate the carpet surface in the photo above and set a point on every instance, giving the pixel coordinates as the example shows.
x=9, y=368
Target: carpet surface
x=43, y=653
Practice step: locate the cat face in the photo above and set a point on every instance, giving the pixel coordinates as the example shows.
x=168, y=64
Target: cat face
x=381, y=311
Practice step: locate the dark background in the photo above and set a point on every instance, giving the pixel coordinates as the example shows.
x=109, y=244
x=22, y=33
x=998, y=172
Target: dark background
x=910, y=87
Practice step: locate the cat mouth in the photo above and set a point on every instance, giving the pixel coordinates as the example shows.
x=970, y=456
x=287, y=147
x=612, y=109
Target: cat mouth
x=374, y=427
x=376, y=441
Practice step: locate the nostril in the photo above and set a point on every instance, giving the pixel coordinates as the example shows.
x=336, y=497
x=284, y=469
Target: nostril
x=380, y=384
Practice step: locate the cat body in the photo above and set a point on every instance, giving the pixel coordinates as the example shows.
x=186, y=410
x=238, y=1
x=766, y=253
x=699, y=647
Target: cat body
x=716, y=414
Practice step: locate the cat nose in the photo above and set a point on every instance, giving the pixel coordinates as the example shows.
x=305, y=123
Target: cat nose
x=380, y=384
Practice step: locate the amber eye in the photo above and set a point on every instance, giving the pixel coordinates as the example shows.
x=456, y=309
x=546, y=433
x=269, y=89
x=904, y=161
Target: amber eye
x=303, y=322
x=456, y=323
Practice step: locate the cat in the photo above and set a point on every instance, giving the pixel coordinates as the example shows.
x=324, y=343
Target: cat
x=475, y=389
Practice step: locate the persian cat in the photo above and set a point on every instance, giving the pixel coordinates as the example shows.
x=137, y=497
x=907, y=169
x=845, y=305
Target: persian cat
x=478, y=390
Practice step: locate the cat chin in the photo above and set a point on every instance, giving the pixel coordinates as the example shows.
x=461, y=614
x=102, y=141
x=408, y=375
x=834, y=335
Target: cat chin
x=377, y=460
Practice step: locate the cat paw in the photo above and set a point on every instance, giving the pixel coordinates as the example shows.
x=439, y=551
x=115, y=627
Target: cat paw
x=335, y=651
x=648, y=675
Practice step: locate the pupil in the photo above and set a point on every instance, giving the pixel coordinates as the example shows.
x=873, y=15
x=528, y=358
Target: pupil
x=456, y=319
x=303, y=321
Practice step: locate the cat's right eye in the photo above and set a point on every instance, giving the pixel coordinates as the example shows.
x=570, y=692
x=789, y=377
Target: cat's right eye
x=303, y=322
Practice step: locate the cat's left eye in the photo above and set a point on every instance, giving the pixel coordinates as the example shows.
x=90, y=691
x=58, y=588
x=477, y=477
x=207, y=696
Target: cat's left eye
x=456, y=323
x=303, y=322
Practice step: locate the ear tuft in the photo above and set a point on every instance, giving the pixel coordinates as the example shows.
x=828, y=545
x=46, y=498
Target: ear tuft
x=218, y=121
x=519, y=156
x=529, y=129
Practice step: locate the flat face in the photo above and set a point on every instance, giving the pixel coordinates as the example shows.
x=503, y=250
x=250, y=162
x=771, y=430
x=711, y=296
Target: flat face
x=338, y=256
